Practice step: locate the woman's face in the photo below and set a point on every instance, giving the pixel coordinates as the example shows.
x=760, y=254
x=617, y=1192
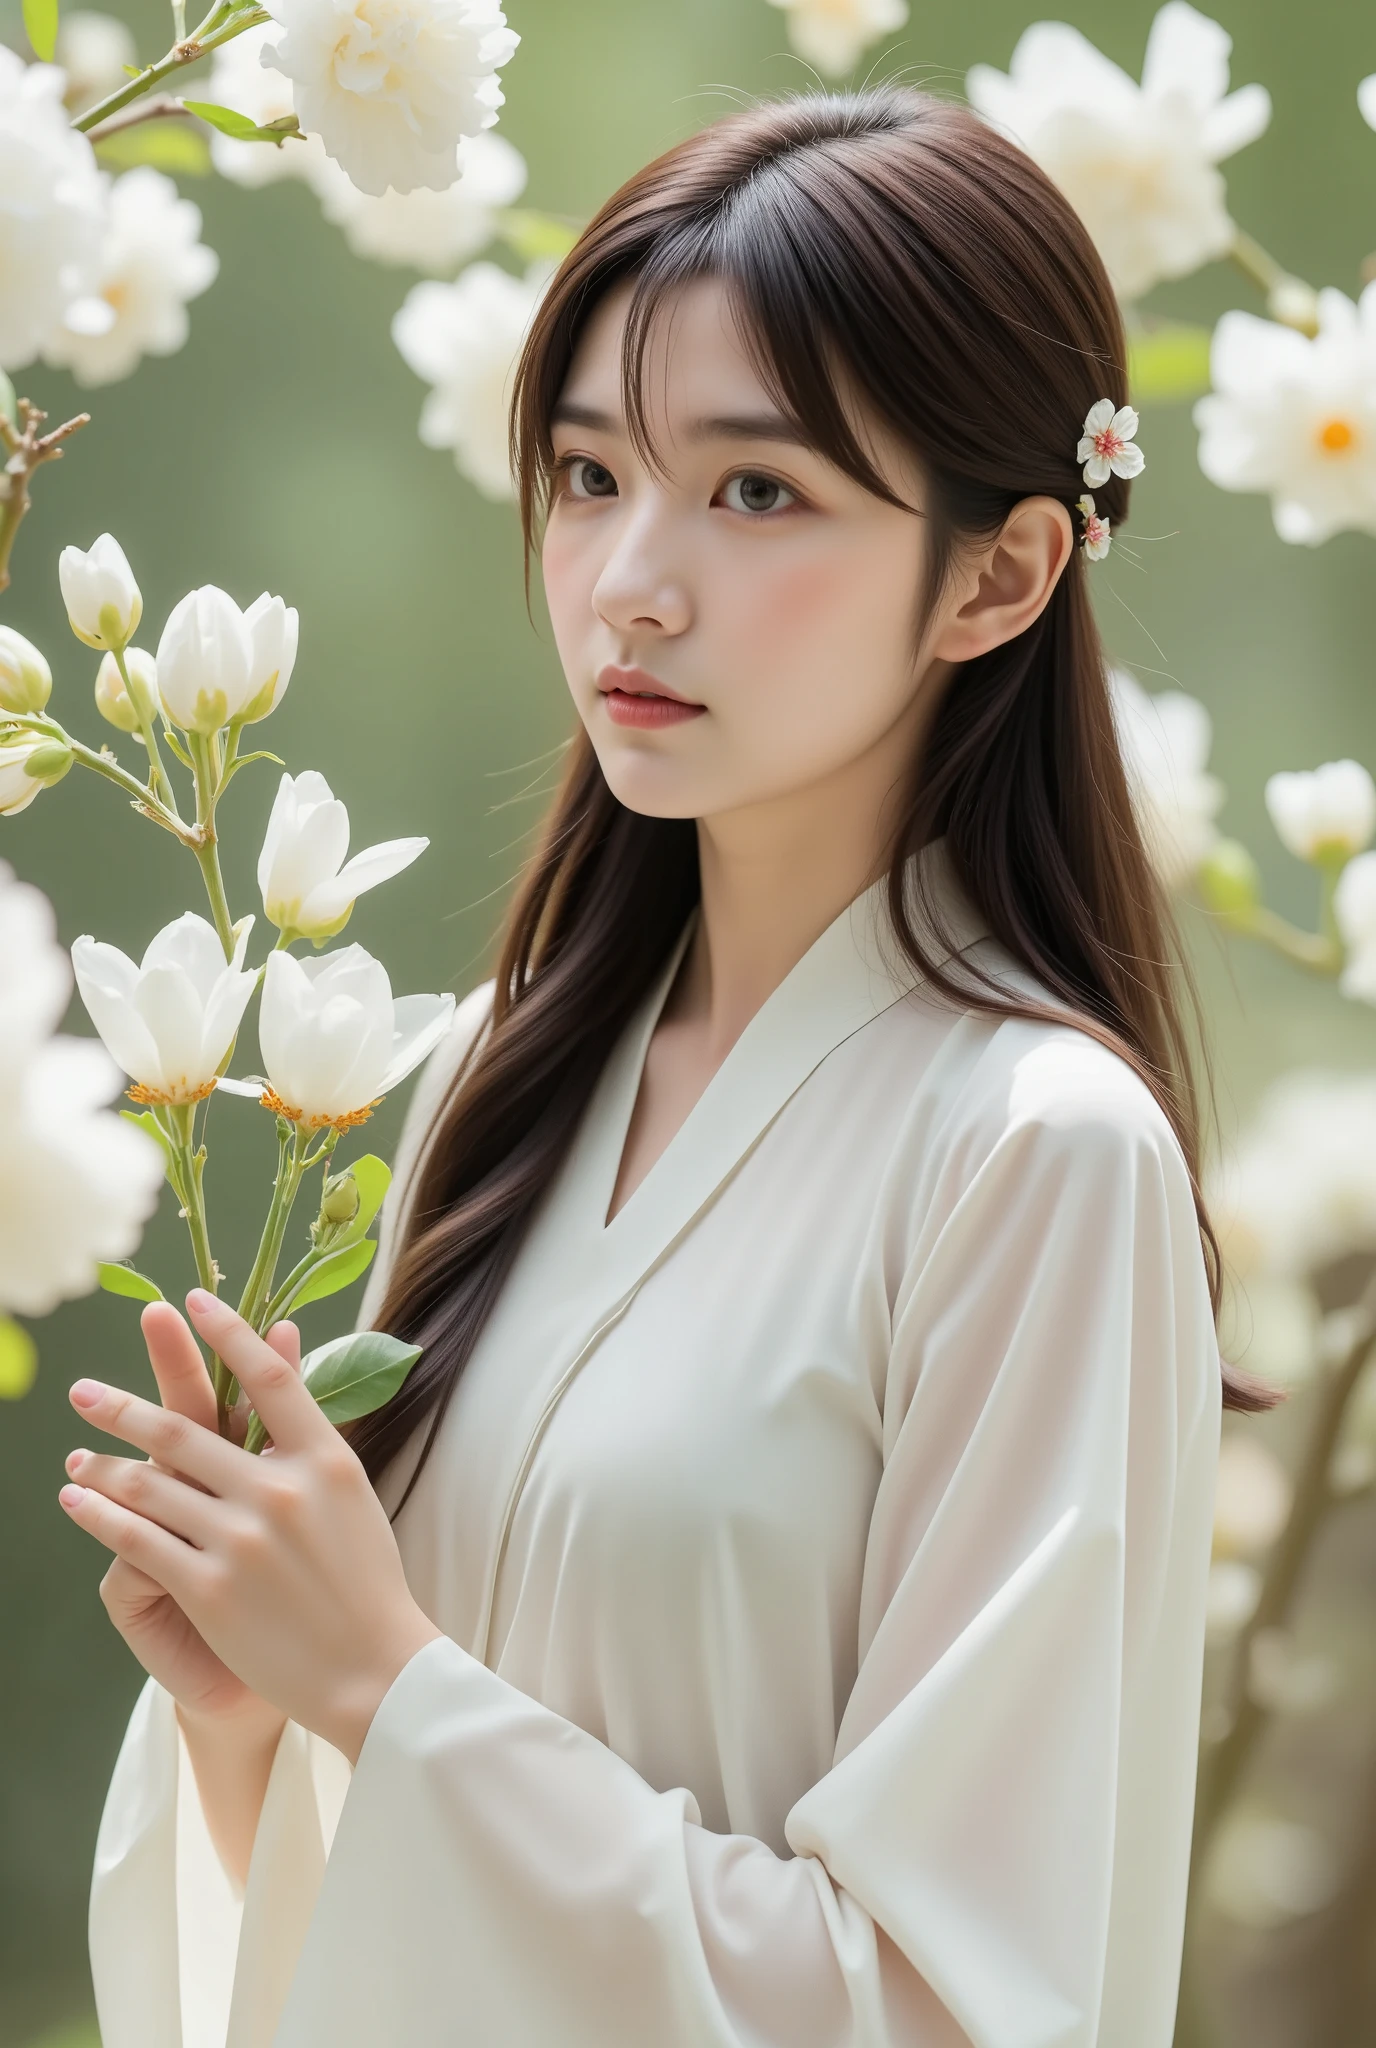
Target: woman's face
x=739, y=625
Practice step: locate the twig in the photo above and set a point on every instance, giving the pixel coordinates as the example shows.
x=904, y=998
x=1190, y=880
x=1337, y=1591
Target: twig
x=162, y=107
x=27, y=451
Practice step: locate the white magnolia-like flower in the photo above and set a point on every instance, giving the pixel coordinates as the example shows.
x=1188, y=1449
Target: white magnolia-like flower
x=432, y=231
x=1107, y=447
x=1354, y=907
x=79, y=1183
x=52, y=209
x=1295, y=416
x=152, y=263
x=113, y=701
x=1327, y=813
x=390, y=86
x=216, y=664
x=104, y=603
x=1097, y=537
x=308, y=885
x=170, y=1021
x=1165, y=741
x=93, y=50
x=242, y=77
x=29, y=761
x=1137, y=162
x=464, y=339
x=334, y=1040
x=26, y=681
x=835, y=34
x=1299, y=1190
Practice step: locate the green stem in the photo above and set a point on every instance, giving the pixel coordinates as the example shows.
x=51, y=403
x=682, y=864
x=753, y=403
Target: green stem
x=1262, y=268
x=221, y=25
x=1319, y=952
x=280, y=1304
x=292, y=1165
x=109, y=767
x=179, y=1122
x=207, y=848
x=158, y=780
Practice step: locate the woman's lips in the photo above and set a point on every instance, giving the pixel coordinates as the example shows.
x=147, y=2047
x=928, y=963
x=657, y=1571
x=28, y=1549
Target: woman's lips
x=633, y=697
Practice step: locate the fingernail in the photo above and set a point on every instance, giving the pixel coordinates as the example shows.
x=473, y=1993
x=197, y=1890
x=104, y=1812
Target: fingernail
x=74, y=1461
x=199, y=1301
x=72, y=1496
x=86, y=1393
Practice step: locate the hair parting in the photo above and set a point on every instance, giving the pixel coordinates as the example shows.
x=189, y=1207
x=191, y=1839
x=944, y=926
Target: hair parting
x=885, y=254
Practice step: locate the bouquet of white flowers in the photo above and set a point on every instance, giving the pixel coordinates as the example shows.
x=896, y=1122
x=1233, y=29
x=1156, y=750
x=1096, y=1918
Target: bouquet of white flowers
x=332, y=1038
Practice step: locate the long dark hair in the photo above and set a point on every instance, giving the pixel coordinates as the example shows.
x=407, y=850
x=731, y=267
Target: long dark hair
x=887, y=241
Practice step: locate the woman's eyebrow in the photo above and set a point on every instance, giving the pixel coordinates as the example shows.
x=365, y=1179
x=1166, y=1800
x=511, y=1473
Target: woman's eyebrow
x=567, y=413
x=735, y=426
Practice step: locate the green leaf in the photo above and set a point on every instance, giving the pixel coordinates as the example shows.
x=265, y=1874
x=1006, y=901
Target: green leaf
x=357, y=1374
x=172, y=146
x=146, y=1121
x=339, y=1270
x=239, y=125
x=40, y=26
x=372, y=1177
x=124, y=1280
x=1169, y=363
x=19, y=1361
x=536, y=235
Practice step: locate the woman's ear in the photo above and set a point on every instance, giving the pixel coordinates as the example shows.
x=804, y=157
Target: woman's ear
x=1009, y=583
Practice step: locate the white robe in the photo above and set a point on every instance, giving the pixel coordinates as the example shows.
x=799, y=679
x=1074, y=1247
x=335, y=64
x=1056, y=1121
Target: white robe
x=820, y=1549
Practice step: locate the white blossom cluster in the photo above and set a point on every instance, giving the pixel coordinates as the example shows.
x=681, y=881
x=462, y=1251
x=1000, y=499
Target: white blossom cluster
x=1165, y=740
x=78, y=1183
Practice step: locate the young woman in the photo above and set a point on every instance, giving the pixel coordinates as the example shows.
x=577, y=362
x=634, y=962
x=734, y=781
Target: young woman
x=772, y=1612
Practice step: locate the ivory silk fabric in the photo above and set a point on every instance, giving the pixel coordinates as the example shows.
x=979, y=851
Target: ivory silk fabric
x=821, y=1552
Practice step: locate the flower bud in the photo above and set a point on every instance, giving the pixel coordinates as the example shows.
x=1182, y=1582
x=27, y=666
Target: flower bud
x=1229, y=881
x=29, y=762
x=205, y=661
x=340, y=1201
x=114, y=703
x=49, y=763
x=103, y=602
x=26, y=681
x=1325, y=814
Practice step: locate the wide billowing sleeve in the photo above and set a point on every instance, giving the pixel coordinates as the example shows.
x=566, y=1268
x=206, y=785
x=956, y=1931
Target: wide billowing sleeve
x=998, y=1854
x=179, y=1958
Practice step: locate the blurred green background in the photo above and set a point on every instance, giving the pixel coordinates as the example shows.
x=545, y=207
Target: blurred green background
x=279, y=451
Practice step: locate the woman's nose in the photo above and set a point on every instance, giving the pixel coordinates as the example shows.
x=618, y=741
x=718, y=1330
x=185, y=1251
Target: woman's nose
x=640, y=588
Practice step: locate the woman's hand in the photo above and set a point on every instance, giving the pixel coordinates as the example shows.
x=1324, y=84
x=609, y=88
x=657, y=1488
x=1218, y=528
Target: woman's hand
x=284, y=1567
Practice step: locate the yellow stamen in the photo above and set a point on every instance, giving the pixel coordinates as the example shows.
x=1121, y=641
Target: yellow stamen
x=163, y=1096
x=1337, y=436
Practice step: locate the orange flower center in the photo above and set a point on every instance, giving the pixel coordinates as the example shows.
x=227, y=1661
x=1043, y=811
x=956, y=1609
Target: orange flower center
x=162, y=1096
x=1337, y=436
x=270, y=1099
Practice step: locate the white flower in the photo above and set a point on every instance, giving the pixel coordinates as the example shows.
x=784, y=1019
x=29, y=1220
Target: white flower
x=1299, y=1190
x=29, y=761
x=242, y=77
x=464, y=339
x=390, y=86
x=1138, y=163
x=1296, y=417
x=52, y=209
x=113, y=701
x=93, y=49
x=1165, y=741
x=1326, y=814
x=1098, y=533
x=1107, y=447
x=308, y=886
x=169, y=1022
x=432, y=231
x=104, y=604
x=216, y=664
x=333, y=1039
x=78, y=1182
x=26, y=681
x=152, y=262
x=834, y=34
x=1354, y=907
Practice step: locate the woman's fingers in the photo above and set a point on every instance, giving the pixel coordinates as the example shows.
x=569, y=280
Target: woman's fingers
x=174, y=1440
x=285, y=1340
x=275, y=1388
x=186, y=1511
x=141, y=1543
x=177, y=1364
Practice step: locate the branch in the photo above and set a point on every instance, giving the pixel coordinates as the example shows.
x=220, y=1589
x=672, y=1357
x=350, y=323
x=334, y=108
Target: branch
x=223, y=22
x=162, y=107
x=28, y=450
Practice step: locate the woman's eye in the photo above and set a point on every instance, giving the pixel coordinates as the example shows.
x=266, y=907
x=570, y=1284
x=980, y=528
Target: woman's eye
x=751, y=493
x=589, y=479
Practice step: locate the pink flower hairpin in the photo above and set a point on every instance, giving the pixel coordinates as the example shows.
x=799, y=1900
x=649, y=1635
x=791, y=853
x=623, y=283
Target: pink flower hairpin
x=1107, y=448
x=1096, y=536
